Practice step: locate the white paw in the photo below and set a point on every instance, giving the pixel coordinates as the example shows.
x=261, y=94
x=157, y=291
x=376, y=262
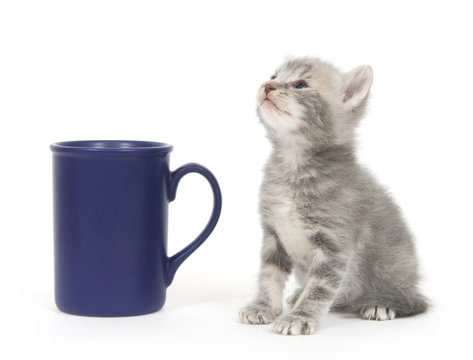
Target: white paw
x=293, y=325
x=377, y=313
x=258, y=314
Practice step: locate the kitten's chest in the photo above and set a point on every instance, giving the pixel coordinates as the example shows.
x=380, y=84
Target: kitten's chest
x=281, y=204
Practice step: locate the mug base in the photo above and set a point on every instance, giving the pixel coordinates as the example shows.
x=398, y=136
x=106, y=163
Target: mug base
x=106, y=315
x=89, y=312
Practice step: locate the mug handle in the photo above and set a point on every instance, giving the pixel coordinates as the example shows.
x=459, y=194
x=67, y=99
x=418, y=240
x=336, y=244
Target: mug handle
x=177, y=259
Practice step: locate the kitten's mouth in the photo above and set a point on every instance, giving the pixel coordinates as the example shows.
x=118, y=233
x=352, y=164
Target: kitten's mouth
x=268, y=100
x=270, y=103
x=273, y=105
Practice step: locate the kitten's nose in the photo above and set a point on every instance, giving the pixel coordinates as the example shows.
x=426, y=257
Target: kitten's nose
x=268, y=87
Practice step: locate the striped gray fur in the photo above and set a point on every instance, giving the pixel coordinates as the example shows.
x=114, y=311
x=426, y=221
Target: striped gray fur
x=323, y=215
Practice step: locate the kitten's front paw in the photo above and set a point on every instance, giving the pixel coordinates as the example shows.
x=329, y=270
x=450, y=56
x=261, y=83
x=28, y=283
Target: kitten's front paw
x=259, y=314
x=294, y=325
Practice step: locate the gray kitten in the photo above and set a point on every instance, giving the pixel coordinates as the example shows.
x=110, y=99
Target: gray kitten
x=323, y=215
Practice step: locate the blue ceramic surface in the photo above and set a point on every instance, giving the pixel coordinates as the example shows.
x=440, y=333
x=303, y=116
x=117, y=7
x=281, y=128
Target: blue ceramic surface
x=110, y=225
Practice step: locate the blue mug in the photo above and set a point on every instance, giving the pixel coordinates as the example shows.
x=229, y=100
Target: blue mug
x=110, y=225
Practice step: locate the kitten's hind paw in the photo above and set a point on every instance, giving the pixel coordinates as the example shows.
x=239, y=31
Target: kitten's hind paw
x=294, y=325
x=377, y=313
x=256, y=314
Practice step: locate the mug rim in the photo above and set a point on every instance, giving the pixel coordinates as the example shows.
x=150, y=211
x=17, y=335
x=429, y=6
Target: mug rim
x=111, y=147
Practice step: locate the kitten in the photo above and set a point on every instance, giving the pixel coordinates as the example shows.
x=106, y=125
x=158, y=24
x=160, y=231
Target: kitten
x=324, y=216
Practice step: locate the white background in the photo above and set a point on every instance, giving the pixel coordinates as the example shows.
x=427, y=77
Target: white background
x=187, y=73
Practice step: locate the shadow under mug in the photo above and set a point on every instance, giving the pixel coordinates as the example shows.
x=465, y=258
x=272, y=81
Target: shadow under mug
x=110, y=225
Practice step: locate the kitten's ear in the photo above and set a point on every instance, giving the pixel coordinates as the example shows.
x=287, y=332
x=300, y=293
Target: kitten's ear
x=356, y=85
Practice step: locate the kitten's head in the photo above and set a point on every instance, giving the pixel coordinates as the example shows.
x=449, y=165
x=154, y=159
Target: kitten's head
x=310, y=101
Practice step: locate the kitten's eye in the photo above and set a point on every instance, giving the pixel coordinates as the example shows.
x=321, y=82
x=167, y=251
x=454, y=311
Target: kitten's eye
x=274, y=77
x=301, y=84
